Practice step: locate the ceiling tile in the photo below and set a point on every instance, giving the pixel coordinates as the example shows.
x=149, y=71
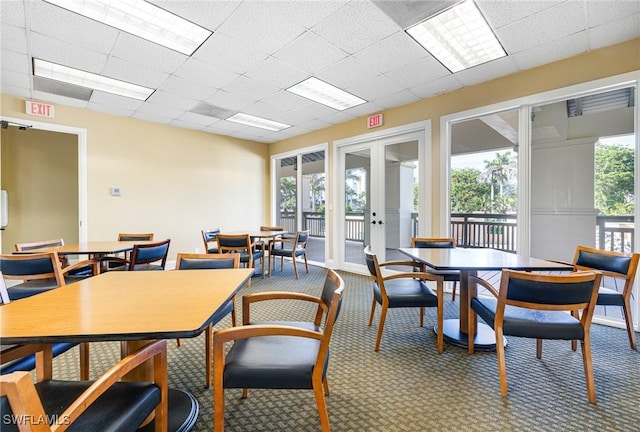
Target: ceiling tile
x=15, y=61
x=161, y=110
x=137, y=50
x=134, y=73
x=234, y=54
x=200, y=72
x=602, y=12
x=152, y=117
x=66, y=54
x=229, y=101
x=264, y=110
x=179, y=122
x=60, y=100
x=110, y=109
x=614, y=32
x=197, y=119
x=417, y=72
x=187, y=88
x=552, y=51
x=285, y=101
x=375, y=87
x=13, y=38
x=59, y=23
x=113, y=100
x=488, y=71
x=347, y=72
x=391, y=52
x=208, y=14
x=403, y=97
x=359, y=18
x=311, y=53
x=250, y=88
x=12, y=13
x=12, y=78
x=171, y=99
x=277, y=73
x=15, y=91
x=436, y=87
x=500, y=13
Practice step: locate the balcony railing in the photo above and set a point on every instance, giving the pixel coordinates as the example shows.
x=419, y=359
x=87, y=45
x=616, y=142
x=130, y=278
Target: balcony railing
x=496, y=231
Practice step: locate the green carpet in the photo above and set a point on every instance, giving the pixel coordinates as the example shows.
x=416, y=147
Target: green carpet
x=407, y=386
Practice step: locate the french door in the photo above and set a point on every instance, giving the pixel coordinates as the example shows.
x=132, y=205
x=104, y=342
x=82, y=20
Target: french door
x=379, y=195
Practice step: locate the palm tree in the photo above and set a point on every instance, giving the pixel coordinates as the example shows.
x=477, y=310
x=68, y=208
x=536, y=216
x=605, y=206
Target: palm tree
x=499, y=172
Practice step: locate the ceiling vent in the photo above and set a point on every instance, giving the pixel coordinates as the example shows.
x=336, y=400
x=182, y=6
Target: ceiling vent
x=615, y=99
x=206, y=109
x=61, y=89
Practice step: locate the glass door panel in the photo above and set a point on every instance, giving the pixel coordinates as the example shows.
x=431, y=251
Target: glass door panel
x=287, y=196
x=313, y=198
x=357, y=220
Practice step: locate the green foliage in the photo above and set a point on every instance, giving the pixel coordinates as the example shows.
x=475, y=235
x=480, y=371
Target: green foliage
x=467, y=193
x=288, y=194
x=614, y=182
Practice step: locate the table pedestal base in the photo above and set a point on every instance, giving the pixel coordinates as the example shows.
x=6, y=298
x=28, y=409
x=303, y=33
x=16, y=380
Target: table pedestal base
x=183, y=412
x=484, y=340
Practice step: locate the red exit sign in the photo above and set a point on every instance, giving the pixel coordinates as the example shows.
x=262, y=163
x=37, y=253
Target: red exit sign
x=374, y=121
x=40, y=109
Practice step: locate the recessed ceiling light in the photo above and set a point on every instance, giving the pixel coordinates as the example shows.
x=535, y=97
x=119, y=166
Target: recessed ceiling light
x=45, y=69
x=326, y=94
x=459, y=37
x=142, y=19
x=259, y=122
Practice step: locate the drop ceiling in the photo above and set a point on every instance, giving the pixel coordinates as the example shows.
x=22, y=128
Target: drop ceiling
x=260, y=47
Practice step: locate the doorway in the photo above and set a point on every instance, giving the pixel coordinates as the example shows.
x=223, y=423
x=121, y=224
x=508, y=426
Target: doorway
x=44, y=172
x=382, y=191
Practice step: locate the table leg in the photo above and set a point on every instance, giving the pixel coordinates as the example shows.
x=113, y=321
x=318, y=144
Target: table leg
x=455, y=330
x=183, y=406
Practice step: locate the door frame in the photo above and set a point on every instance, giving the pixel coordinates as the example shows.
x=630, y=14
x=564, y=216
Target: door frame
x=422, y=132
x=81, y=134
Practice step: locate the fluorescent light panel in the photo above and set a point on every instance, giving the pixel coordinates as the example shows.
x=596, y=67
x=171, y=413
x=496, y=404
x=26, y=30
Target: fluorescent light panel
x=459, y=37
x=259, y=122
x=45, y=69
x=326, y=94
x=142, y=19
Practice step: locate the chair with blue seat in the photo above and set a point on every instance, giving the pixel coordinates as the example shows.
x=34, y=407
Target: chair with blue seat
x=185, y=261
x=249, y=251
x=278, y=354
x=149, y=256
x=77, y=271
x=438, y=243
x=106, y=404
x=404, y=290
x=619, y=269
x=532, y=305
x=14, y=358
x=290, y=248
x=209, y=238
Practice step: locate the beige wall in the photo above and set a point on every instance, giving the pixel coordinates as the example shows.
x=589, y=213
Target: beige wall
x=40, y=174
x=597, y=64
x=174, y=181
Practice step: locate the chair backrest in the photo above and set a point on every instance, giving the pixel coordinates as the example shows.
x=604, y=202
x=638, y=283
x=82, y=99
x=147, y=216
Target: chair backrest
x=433, y=242
x=209, y=236
x=149, y=253
x=234, y=243
x=44, y=265
x=271, y=228
x=188, y=261
x=567, y=292
x=135, y=237
x=302, y=237
x=374, y=268
x=613, y=264
x=20, y=247
x=4, y=294
x=331, y=304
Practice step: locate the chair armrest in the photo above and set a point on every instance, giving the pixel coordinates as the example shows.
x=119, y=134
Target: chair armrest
x=415, y=275
x=408, y=263
x=43, y=353
x=220, y=337
x=95, y=264
x=107, y=259
x=484, y=284
x=247, y=299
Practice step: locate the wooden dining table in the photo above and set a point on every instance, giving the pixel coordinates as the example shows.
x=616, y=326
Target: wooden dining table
x=130, y=307
x=470, y=261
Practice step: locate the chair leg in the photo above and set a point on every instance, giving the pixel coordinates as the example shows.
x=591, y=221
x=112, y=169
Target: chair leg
x=453, y=291
x=629, y=321
x=218, y=403
x=588, y=368
x=373, y=311
x=295, y=265
x=574, y=343
x=325, y=384
x=502, y=364
x=322, y=405
x=245, y=393
x=539, y=348
x=421, y=316
x=306, y=263
x=208, y=355
x=383, y=315
x=84, y=361
x=178, y=342
x=262, y=266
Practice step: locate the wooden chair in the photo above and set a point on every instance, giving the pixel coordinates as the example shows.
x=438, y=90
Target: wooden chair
x=144, y=257
x=534, y=305
x=266, y=244
x=621, y=268
x=76, y=271
x=438, y=243
x=209, y=238
x=290, y=248
x=135, y=237
x=242, y=244
x=401, y=290
x=278, y=354
x=104, y=404
x=186, y=261
x=12, y=361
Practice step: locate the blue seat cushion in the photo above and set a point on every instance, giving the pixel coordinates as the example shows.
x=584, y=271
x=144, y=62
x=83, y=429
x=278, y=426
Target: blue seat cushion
x=32, y=287
x=406, y=293
x=222, y=312
x=123, y=407
x=244, y=257
x=530, y=323
x=273, y=362
x=609, y=297
x=28, y=363
x=287, y=252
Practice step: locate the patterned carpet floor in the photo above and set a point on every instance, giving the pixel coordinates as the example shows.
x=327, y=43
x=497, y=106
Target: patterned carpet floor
x=407, y=386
